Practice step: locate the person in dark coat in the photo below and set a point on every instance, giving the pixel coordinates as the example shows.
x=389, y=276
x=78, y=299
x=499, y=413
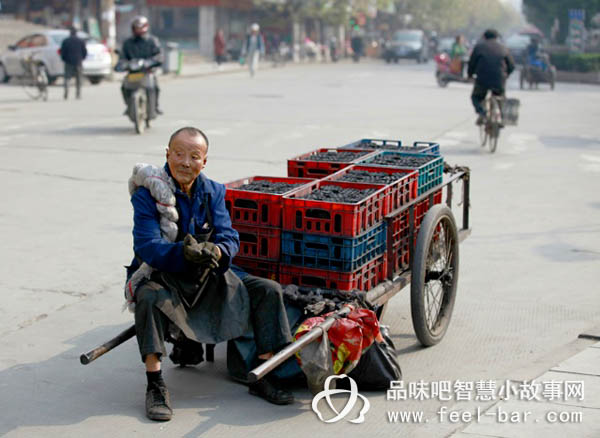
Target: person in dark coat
x=206, y=244
x=73, y=52
x=491, y=63
x=141, y=45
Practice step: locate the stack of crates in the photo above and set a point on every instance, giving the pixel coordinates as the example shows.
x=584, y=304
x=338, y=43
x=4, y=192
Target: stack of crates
x=255, y=208
x=430, y=167
x=332, y=243
x=297, y=236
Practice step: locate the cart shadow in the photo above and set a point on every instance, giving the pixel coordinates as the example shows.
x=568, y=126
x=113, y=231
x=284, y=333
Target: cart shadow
x=61, y=392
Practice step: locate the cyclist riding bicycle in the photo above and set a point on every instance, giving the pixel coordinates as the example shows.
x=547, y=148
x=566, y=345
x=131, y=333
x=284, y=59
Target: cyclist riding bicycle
x=491, y=63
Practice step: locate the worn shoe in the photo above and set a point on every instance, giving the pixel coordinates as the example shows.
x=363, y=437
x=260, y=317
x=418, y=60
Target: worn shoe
x=159, y=111
x=269, y=390
x=480, y=120
x=158, y=402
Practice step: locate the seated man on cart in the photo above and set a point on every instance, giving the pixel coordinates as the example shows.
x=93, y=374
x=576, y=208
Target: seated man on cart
x=180, y=282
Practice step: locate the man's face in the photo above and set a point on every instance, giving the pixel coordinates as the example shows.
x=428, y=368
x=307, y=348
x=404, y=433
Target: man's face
x=186, y=157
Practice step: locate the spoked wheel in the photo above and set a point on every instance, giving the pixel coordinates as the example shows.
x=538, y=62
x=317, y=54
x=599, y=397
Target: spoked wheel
x=494, y=125
x=434, y=275
x=483, y=134
x=42, y=82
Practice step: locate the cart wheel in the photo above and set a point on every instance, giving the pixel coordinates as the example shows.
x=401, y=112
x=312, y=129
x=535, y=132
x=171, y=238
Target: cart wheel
x=434, y=275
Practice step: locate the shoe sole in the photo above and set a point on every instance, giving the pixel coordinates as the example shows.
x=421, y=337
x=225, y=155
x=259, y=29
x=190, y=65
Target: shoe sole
x=159, y=417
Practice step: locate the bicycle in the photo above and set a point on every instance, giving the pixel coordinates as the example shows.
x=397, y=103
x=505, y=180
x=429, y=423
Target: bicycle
x=489, y=130
x=35, y=82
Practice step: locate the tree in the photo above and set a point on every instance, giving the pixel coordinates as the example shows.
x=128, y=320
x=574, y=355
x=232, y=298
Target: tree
x=460, y=16
x=542, y=13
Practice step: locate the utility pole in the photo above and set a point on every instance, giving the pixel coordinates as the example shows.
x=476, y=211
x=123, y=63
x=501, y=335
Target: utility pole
x=108, y=23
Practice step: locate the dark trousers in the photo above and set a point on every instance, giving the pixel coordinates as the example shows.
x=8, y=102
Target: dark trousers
x=479, y=94
x=73, y=71
x=268, y=316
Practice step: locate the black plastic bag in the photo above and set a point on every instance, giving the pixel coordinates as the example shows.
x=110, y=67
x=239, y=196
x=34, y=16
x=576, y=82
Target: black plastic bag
x=377, y=367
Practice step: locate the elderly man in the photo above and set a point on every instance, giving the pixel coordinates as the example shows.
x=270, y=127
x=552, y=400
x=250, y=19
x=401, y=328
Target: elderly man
x=190, y=287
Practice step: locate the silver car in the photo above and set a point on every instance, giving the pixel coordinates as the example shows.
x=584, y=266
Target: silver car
x=44, y=47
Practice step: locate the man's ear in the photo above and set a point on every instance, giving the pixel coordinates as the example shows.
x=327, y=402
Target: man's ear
x=167, y=152
x=205, y=160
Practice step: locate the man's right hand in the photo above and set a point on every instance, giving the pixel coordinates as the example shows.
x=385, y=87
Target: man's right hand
x=205, y=254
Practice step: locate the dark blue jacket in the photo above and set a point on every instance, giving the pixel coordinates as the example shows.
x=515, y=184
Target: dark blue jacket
x=152, y=248
x=73, y=50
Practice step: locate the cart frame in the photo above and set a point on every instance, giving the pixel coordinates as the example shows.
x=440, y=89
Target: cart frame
x=383, y=292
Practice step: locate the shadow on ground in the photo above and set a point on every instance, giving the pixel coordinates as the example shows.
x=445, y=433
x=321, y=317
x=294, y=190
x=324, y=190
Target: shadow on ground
x=61, y=392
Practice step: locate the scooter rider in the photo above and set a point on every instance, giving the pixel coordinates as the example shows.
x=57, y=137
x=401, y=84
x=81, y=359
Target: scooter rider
x=141, y=45
x=492, y=64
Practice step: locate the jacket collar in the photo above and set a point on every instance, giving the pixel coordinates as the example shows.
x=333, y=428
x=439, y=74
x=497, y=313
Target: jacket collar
x=199, y=187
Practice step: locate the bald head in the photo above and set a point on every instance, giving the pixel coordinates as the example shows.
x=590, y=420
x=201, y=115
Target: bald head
x=189, y=131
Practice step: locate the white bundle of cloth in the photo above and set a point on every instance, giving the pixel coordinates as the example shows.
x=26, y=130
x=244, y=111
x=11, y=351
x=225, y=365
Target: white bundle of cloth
x=162, y=189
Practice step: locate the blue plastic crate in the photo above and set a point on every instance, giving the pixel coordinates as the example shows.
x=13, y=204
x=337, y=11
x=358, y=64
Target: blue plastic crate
x=333, y=253
x=422, y=147
x=431, y=173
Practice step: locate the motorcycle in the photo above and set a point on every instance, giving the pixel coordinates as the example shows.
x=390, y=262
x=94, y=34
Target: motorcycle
x=140, y=91
x=449, y=70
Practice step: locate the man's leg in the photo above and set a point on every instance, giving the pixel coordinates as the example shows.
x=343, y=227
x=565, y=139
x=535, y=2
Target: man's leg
x=477, y=98
x=66, y=80
x=151, y=326
x=271, y=333
x=78, y=73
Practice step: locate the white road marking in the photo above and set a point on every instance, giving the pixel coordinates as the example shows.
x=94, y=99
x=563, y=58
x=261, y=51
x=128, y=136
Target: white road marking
x=591, y=163
x=447, y=142
x=457, y=134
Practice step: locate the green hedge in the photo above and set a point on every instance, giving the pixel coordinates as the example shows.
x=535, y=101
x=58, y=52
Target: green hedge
x=584, y=62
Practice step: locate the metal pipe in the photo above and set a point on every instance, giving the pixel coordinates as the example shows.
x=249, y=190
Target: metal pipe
x=94, y=354
x=260, y=371
x=466, y=199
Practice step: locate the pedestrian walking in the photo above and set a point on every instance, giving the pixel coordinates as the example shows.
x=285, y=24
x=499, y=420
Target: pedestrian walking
x=219, y=46
x=253, y=48
x=73, y=52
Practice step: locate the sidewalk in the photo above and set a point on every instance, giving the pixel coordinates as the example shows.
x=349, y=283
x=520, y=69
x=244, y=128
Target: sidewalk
x=558, y=415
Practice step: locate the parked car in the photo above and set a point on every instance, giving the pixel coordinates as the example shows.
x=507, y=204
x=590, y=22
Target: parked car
x=411, y=44
x=517, y=46
x=45, y=48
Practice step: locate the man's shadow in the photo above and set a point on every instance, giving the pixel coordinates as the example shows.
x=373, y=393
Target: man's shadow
x=60, y=391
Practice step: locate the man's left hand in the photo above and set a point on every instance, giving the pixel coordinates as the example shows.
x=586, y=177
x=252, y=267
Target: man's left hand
x=204, y=253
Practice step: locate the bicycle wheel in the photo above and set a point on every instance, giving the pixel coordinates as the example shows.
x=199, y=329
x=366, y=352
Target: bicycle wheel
x=41, y=80
x=30, y=87
x=495, y=123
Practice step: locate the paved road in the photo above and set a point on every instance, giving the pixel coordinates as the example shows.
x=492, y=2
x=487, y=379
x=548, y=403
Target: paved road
x=528, y=276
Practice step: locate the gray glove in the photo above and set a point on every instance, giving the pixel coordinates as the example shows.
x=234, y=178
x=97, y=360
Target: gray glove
x=205, y=254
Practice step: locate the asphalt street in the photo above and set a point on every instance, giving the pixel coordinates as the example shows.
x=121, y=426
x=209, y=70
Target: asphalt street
x=528, y=282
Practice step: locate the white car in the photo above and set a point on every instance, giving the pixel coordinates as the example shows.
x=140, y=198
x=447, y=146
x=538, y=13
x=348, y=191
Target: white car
x=45, y=48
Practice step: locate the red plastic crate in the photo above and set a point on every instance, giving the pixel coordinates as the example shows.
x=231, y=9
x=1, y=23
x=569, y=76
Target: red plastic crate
x=399, y=193
x=366, y=277
x=303, y=166
x=259, y=242
x=400, y=229
x=260, y=268
x=422, y=207
x=257, y=208
x=334, y=218
x=400, y=260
